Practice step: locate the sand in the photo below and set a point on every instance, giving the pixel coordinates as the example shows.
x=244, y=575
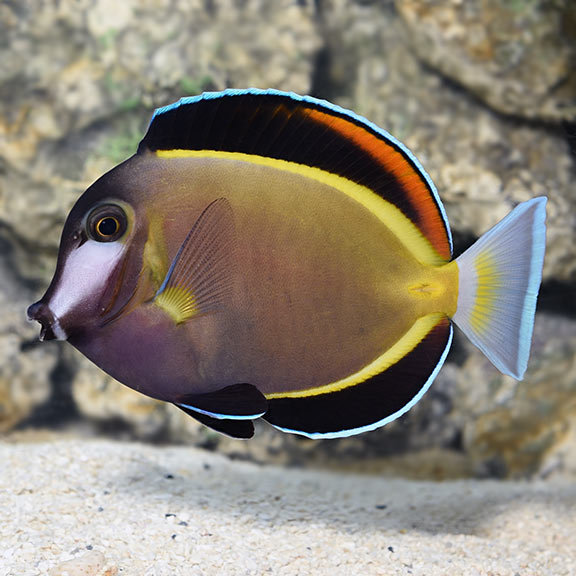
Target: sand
x=100, y=508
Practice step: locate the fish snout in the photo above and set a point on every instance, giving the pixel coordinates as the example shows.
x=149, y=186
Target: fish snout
x=51, y=328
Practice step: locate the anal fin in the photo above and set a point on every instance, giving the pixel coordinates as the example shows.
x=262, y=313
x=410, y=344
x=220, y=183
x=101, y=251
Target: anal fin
x=371, y=403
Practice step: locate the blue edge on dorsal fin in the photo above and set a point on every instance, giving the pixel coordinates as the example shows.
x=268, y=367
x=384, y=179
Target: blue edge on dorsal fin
x=230, y=92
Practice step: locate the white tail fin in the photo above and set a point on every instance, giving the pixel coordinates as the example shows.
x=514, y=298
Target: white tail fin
x=499, y=278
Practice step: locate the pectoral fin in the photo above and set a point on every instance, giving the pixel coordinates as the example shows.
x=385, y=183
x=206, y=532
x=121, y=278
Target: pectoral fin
x=200, y=277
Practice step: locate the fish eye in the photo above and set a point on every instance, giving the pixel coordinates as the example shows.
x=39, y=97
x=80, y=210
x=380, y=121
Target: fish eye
x=107, y=223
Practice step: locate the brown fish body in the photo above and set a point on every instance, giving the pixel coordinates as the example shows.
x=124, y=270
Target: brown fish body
x=312, y=298
x=265, y=254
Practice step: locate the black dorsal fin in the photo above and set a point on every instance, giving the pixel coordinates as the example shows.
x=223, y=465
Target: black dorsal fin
x=307, y=131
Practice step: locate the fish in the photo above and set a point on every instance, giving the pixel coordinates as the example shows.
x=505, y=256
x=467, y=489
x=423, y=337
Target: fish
x=266, y=255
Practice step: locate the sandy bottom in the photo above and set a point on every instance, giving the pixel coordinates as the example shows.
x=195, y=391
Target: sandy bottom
x=97, y=508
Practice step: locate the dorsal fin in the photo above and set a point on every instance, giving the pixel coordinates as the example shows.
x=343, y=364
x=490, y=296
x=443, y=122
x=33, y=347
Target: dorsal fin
x=306, y=131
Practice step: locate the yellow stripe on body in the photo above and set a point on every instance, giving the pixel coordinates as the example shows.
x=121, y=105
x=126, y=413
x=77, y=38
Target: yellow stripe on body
x=387, y=213
x=405, y=345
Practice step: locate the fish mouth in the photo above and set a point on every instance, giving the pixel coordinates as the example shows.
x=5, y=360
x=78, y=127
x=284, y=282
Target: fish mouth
x=51, y=329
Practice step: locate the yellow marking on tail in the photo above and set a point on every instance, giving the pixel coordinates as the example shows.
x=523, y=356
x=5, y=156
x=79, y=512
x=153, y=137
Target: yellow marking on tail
x=435, y=289
x=488, y=285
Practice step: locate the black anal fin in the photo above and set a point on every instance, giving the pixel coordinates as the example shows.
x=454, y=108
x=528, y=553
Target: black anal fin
x=238, y=402
x=201, y=275
x=242, y=429
x=368, y=404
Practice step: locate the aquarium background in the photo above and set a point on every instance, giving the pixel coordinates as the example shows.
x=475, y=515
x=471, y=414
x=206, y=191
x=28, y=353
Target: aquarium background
x=483, y=93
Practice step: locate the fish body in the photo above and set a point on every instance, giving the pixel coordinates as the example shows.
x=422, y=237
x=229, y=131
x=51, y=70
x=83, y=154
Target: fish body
x=270, y=255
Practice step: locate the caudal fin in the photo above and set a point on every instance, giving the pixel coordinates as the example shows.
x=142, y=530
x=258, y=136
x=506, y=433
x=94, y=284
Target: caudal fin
x=499, y=278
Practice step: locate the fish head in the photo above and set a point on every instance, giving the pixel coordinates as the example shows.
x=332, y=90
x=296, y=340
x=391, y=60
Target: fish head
x=99, y=261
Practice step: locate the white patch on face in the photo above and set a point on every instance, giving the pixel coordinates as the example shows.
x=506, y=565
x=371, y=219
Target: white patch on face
x=85, y=273
x=58, y=331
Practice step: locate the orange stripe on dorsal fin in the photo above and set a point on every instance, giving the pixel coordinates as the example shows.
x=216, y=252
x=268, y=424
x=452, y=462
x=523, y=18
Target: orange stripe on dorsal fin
x=306, y=131
x=418, y=192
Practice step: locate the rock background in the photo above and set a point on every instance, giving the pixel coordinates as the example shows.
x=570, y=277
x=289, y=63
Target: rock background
x=483, y=92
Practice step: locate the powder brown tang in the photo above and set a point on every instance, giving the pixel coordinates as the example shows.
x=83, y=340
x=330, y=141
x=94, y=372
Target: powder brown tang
x=271, y=255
